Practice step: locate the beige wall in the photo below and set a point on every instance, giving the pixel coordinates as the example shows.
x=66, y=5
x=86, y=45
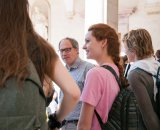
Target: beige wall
x=145, y=16
x=61, y=26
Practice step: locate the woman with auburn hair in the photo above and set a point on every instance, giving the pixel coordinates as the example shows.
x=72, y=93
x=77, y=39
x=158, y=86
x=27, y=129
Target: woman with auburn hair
x=26, y=61
x=101, y=88
x=139, y=50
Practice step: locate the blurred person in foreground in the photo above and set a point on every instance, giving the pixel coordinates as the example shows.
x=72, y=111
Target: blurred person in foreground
x=26, y=61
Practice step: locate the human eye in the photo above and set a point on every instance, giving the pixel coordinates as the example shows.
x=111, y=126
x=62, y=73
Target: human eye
x=61, y=50
x=68, y=49
x=86, y=40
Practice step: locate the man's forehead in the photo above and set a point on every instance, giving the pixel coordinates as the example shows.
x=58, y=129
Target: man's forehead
x=65, y=43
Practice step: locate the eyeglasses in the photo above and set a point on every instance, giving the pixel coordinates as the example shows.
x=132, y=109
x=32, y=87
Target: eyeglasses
x=66, y=50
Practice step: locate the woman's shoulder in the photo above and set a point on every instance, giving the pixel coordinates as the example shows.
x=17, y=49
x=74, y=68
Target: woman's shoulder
x=96, y=69
x=99, y=70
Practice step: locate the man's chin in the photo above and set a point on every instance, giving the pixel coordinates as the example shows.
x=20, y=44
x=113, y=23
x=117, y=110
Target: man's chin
x=66, y=62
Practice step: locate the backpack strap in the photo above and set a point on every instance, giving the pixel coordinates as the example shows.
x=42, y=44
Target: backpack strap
x=114, y=73
x=99, y=118
x=145, y=71
x=119, y=83
x=157, y=76
x=126, y=70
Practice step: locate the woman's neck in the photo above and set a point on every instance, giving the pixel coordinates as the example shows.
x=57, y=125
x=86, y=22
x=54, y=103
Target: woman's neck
x=105, y=60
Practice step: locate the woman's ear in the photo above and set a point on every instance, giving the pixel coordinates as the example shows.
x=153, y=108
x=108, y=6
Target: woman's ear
x=104, y=43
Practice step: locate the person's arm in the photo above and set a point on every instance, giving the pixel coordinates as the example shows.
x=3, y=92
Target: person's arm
x=69, y=88
x=86, y=117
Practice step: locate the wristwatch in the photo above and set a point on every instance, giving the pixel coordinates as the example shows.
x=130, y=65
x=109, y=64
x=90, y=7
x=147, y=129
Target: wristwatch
x=54, y=123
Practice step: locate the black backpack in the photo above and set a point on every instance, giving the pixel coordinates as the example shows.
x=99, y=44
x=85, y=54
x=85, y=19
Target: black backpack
x=124, y=113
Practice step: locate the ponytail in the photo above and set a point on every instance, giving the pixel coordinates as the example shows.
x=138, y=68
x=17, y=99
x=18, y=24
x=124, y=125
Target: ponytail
x=123, y=80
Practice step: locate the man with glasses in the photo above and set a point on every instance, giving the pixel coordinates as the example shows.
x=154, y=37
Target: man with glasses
x=78, y=68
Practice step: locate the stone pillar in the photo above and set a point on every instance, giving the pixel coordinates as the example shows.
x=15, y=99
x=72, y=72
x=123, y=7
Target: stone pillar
x=124, y=15
x=111, y=13
x=123, y=28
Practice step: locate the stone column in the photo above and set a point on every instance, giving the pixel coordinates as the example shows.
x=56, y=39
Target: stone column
x=124, y=15
x=111, y=13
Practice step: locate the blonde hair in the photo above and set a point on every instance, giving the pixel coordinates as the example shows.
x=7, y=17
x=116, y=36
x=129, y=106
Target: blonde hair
x=140, y=42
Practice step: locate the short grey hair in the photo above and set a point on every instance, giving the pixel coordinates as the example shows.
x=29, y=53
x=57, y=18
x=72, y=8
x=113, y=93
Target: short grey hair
x=73, y=42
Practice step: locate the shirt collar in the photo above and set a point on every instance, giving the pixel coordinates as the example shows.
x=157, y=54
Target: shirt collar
x=75, y=64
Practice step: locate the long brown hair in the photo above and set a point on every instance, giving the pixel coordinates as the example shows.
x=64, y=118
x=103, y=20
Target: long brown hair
x=13, y=54
x=103, y=31
x=16, y=31
x=41, y=53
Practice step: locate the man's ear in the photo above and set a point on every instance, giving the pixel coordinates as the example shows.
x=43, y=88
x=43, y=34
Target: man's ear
x=77, y=50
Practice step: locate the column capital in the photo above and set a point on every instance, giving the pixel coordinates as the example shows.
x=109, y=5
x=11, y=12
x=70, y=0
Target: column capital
x=126, y=12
